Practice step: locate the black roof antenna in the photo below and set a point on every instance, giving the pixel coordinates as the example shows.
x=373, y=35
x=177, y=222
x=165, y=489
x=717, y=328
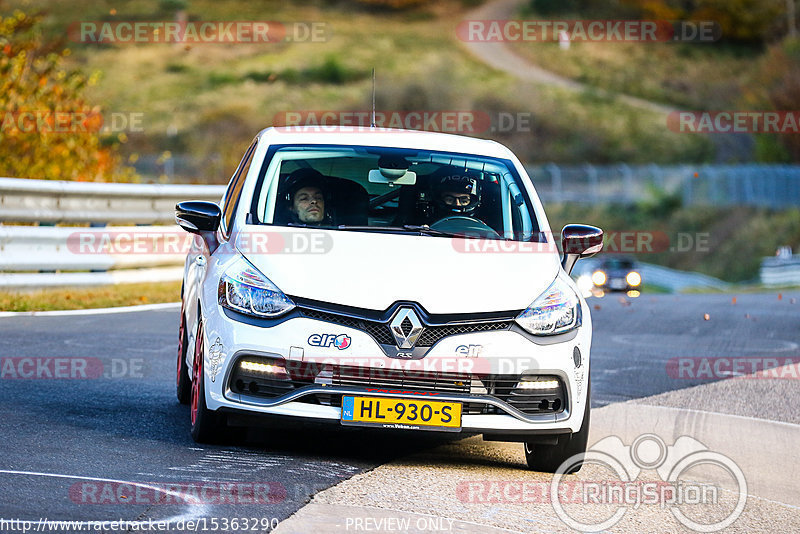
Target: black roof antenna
x=372, y=122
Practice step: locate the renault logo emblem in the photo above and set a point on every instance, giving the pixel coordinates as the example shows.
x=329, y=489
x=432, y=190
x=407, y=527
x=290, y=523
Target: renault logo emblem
x=406, y=328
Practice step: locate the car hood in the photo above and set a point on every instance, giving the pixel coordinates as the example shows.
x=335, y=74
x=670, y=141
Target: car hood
x=374, y=270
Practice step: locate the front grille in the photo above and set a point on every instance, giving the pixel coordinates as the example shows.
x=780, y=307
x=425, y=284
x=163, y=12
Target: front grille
x=502, y=387
x=381, y=333
x=432, y=334
x=400, y=379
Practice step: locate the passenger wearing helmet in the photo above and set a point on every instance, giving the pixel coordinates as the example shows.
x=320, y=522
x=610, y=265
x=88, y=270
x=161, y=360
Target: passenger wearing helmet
x=305, y=194
x=456, y=192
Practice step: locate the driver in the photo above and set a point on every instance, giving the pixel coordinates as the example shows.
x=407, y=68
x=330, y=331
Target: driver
x=306, y=196
x=456, y=192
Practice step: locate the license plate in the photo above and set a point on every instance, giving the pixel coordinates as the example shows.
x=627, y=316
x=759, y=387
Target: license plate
x=617, y=284
x=410, y=414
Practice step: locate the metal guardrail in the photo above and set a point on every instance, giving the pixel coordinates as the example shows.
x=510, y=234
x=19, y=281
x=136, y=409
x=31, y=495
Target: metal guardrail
x=50, y=201
x=31, y=281
x=48, y=248
x=780, y=271
x=771, y=186
x=35, y=248
x=34, y=257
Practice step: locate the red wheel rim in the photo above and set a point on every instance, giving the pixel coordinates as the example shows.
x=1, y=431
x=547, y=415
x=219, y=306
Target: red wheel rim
x=181, y=354
x=197, y=371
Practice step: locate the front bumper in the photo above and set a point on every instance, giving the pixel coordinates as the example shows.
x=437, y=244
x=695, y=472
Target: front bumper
x=229, y=339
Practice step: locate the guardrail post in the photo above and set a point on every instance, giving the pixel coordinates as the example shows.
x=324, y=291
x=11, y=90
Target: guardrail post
x=591, y=173
x=627, y=180
x=555, y=181
x=687, y=188
x=658, y=175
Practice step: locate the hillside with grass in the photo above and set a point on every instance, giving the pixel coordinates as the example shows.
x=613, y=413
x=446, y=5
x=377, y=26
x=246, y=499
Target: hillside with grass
x=201, y=104
x=753, y=62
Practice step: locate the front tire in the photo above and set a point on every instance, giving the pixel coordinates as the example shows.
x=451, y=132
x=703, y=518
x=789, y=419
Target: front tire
x=548, y=458
x=183, y=384
x=206, y=424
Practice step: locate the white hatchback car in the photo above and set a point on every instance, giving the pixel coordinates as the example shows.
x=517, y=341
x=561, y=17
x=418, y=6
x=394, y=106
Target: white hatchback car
x=385, y=278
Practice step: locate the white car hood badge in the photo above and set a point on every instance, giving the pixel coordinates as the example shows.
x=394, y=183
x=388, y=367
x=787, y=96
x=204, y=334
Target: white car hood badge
x=406, y=328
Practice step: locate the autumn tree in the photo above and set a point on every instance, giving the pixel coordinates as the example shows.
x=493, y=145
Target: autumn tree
x=776, y=87
x=48, y=130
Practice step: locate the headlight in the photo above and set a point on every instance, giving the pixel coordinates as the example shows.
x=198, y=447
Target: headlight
x=555, y=311
x=633, y=279
x=244, y=289
x=599, y=278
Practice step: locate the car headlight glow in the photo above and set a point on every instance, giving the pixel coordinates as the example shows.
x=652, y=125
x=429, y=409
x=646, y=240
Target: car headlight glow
x=244, y=289
x=599, y=278
x=555, y=311
x=633, y=278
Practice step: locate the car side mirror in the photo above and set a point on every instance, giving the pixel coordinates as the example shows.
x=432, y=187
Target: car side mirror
x=197, y=216
x=201, y=218
x=579, y=241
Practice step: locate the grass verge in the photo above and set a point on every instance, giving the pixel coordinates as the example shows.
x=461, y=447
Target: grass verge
x=96, y=297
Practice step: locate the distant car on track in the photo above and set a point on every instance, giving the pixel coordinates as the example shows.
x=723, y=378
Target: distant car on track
x=390, y=279
x=617, y=274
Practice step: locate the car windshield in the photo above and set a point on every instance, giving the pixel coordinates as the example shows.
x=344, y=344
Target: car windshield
x=392, y=190
x=618, y=264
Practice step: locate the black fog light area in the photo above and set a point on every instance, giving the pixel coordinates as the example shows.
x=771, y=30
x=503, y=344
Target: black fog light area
x=534, y=394
x=263, y=377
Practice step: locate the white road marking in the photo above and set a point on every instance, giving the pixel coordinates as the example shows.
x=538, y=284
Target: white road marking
x=93, y=311
x=678, y=342
x=199, y=509
x=747, y=417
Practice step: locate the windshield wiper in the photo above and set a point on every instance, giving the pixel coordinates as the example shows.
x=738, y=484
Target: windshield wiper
x=364, y=228
x=427, y=230
x=423, y=229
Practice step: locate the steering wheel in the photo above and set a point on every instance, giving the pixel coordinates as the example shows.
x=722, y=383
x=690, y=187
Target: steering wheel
x=462, y=224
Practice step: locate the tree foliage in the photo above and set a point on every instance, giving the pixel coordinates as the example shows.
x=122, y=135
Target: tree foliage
x=746, y=21
x=777, y=88
x=47, y=129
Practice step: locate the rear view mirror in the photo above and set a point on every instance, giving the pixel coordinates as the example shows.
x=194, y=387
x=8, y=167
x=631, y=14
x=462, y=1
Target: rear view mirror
x=198, y=216
x=579, y=241
x=392, y=176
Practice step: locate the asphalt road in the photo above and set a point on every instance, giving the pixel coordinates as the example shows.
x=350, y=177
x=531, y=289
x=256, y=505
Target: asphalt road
x=68, y=442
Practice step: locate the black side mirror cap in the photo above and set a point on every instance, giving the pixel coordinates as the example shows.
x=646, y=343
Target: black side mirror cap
x=197, y=216
x=579, y=241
